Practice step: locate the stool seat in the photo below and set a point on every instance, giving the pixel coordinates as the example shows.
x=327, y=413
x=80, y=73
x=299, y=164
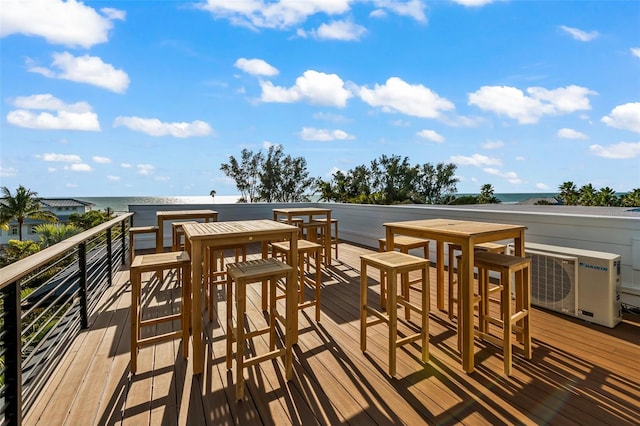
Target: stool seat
x=152, y=263
x=137, y=230
x=392, y=263
x=242, y=274
x=403, y=243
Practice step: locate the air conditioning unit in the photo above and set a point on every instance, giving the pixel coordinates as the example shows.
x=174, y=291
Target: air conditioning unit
x=580, y=283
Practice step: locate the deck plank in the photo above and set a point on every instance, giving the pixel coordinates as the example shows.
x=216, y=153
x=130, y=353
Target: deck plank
x=580, y=373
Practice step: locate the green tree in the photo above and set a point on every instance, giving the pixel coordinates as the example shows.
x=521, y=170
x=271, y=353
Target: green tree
x=606, y=197
x=213, y=193
x=487, y=195
x=89, y=219
x=436, y=185
x=568, y=193
x=25, y=204
x=587, y=195
x=53, y=233
x=631, y=199
x=245, y=173
x=16, y=250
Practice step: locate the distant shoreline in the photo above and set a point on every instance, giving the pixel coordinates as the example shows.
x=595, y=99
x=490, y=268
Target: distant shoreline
x=120, y=204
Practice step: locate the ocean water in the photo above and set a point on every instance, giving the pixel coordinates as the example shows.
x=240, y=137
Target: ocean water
x=121, y=204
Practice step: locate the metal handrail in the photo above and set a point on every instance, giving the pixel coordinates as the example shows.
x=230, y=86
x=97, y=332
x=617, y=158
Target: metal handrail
x=81, y=269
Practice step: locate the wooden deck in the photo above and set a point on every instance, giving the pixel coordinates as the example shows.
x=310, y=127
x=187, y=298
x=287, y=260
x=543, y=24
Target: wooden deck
x=580, y=373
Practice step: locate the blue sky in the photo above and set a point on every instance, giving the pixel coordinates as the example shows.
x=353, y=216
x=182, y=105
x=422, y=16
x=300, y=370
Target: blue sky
x=119, y=98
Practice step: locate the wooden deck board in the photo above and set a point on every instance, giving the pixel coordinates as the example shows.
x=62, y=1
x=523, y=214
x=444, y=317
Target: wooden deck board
x=580, y=373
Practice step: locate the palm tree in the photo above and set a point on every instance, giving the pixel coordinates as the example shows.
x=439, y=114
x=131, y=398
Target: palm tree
x=24, y=205
x=213, y=193
x=568, y=193
x=631, y=199
x=53, y=233
x=587, y=195
x=607, y=197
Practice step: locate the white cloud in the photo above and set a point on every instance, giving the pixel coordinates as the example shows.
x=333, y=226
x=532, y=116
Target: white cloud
x=51, y=169
x=279, y=15
x=431, y=135
x=542, y=186
x=8, y=172
x=635, y=51
x=410, y=99
x=312, y=134
x=113, y=178
x=411, y=8
x=162, y=178
x=520, y=158
x=618, y=151
x=256, y=67
x=378, y=13
x=511, y=177
x=512, y=102
x=84, y=69
x=78, y=167
x=126, y=165
x=339, y=30
x=626, y=116
x=145, y=169
x=313, y=86
x=493, y=144
x=328, y=116
x=69, y=23
x=101, y=160
x=60, y=158
x=571, y=134
x=155, y=127
x=473, y=3
x=477, y=160
x=578, y=34
x=76, y=116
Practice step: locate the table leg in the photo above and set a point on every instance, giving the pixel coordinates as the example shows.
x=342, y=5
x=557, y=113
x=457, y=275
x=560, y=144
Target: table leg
x=196, y=301
x=440, y=274
x=467, y=306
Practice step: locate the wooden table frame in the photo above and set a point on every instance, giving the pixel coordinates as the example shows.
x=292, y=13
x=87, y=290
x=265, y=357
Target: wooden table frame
x=467, y=234
x=169, y=215
x=310, y=213
x=199, y=236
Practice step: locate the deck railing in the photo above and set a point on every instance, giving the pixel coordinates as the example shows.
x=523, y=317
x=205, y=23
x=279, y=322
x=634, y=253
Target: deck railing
x=46, y=299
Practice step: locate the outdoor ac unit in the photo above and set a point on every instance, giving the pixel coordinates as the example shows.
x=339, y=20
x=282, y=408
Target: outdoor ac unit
x=576, y=282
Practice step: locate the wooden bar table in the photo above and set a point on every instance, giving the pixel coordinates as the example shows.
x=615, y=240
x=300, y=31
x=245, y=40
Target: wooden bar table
x=310, y=213
x=199, y=236
x=467, y=234
x=170, y=215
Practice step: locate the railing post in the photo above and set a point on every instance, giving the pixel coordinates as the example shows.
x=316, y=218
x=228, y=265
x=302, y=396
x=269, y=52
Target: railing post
x=13, y=355
x=82, y=271
x=124, y=241
x=109, y=259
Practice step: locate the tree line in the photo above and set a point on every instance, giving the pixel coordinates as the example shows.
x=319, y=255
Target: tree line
x=276, y=177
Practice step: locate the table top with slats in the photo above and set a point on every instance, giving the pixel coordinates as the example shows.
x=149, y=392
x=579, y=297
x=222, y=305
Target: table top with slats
x=241, y=228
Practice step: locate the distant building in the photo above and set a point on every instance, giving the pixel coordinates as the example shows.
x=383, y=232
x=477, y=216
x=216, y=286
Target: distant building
x=61, y=207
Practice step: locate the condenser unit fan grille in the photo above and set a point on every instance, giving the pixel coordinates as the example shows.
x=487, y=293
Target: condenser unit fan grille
x=553, y=282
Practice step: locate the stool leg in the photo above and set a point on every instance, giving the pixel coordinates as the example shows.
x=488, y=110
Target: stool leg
x=526, y=304
x=185, y=309
x=272, y=313
x=425, y=313
x=318, y=284
x=506, y=318
x=393, y=320
x=135, y=309
x=451, y=283
x=363, y=306
x=241, y=297
x=383, y=281
x=229, y=321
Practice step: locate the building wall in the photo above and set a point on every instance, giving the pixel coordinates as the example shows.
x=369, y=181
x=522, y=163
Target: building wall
x=63, y=214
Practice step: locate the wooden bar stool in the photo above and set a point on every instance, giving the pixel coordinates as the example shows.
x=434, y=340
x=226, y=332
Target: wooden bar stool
x=152, y=263
x=306, y=251
x=242, y=274
x=403, y=244
x=177, y=235
x=394, y=263
x=453, y=294
x=335, y=241
x=137, y=230
x=214, y=267
x=517, y=321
